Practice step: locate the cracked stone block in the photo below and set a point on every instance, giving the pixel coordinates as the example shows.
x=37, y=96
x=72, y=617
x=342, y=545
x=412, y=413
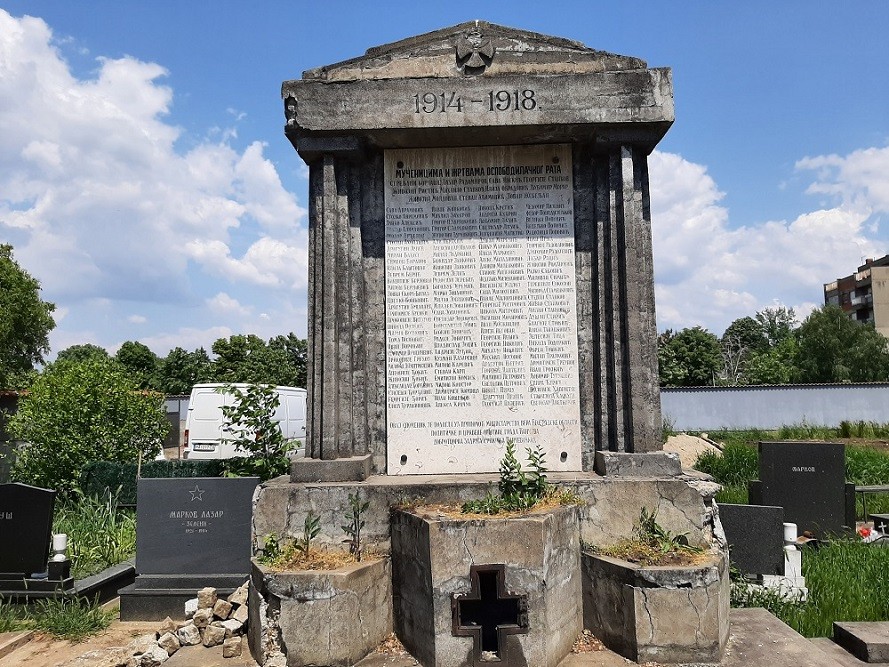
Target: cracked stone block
x=222, y=609
x=154, y=657
x=189, y=635
x=431, y=559
x=206, y=597
x=320, y=617
x=670, y=614
x=213, y=635
x=202, y=617
x=169, y=642
x=231, y=647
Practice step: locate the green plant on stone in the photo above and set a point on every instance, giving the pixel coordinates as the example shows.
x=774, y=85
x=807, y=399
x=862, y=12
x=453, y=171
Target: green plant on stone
x=356, y=523
x=311, y=529
x=519, y=490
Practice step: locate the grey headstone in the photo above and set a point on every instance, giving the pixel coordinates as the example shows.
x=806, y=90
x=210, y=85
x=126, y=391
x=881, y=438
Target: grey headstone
x=25, y=528
x=194, y=526
x=808, y=480
x=755, y=535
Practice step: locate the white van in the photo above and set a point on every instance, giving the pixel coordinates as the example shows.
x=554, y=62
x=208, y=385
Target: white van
x=204, y=432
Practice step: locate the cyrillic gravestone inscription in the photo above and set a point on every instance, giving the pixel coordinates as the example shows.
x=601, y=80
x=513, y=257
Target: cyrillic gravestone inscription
x=481, y=323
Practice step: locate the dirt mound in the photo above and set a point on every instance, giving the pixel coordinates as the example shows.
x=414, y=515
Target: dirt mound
x=689, y=448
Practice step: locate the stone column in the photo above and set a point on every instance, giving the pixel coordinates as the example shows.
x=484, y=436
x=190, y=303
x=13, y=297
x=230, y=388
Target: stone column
x=338, y=421
x=616, y=320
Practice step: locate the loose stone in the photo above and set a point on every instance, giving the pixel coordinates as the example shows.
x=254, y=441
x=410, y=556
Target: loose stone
x=231, y=647
x=169, y=643
x=222, y=609
x=189, y=635
x=206, y=597
x=213, y=635
x=202, y=617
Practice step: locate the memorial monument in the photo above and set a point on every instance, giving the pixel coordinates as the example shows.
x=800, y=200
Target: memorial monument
x=480, y=265
x=480, y=273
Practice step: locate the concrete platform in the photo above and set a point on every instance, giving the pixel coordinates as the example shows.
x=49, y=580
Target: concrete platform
x=837, y=652
x=867, y=641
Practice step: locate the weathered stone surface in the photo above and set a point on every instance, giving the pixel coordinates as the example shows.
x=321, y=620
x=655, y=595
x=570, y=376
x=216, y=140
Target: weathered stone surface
x=117, y=656
x=191, y=606
x=609, y=509
x=342, y=119
x=332, y=617
x=345, y=469
x=222, y=609
x=241, y=614
x=206, y=597
x=202, y=617
x=213, y=635
x=868, y=641
x=239, y=596
x=169, y=642
x=432, y=556
x=650, y=464
x=154, y=657
x=168, y=625
x=189, y=635
x=657, y=614
x=142, y=644
x=231, y=647
x=231, y=627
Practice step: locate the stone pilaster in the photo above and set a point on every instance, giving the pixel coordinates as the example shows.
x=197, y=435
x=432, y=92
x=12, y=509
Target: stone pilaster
x=616, y=327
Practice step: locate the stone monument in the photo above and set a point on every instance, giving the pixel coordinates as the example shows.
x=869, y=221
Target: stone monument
x=480, y=265
x=480, y=273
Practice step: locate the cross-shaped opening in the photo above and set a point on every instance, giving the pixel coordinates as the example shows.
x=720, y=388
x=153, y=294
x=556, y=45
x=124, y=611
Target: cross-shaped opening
x=488, y=613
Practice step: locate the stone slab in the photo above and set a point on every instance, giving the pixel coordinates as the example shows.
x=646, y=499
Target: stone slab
x=347, y=469
x=808, y=481
x=832, y=649
x=649, y=464
x=867, y=641
x=755, y=534
x=481, y=308
x=759, y=638
x=880, y=521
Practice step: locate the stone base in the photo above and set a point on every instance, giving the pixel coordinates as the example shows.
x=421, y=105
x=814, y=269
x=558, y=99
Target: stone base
x=431, y=560
x=649, y=464
x=352, y=469
x=323, y=617
x=657, y=614
x=154, y=597
x=867, y=641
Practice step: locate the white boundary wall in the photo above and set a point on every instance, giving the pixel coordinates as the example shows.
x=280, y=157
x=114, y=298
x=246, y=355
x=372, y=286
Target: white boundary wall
x=711, y=408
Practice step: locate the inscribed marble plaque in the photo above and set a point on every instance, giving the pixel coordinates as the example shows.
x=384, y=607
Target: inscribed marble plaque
x=481, y=322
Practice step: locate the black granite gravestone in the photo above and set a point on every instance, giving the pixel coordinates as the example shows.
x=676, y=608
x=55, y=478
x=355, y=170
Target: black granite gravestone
x=755, y=535
x=25, y=529
x=191, y=533
x=807, y=479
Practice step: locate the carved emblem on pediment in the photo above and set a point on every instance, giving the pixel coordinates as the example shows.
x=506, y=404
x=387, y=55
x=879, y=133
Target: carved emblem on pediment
x=475, y=52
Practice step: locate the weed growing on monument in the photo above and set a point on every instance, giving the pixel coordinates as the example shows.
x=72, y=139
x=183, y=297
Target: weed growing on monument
x=356, y=523
x=520, y=489
x=652, y=544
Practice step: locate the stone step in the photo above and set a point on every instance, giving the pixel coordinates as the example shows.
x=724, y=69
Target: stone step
x=868, y=641
x=837, y=652
x=759, y=638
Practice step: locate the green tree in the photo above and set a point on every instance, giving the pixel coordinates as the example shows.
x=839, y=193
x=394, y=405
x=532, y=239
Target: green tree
x=141, y=362
x=833, y=348
x=76, y=412
x=180, y=370
x=82, y=352
x=776, y=365
x=281, y=361
x=693, y=357
x=778, y=324
x=251, y=421
x=25, y=322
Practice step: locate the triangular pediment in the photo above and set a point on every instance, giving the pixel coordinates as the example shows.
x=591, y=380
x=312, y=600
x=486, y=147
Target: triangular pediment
x=471, y=49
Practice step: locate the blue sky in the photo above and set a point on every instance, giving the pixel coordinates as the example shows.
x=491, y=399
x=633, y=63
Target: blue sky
x=146, y=181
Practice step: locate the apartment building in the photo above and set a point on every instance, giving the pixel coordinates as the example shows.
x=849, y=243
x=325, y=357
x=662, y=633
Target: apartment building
x=864, y=295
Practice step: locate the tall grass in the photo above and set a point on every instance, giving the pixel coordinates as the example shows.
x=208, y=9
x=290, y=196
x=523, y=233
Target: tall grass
x=70, y=617
x=100, y=532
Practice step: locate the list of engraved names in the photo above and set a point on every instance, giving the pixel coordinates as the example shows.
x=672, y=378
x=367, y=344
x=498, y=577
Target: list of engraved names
x=481, y=338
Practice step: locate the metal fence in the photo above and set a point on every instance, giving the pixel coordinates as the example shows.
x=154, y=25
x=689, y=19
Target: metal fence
x=711, y=408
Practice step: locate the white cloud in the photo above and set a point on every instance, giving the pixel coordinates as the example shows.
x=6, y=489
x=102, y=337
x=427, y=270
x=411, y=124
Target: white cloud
x=708, y=273
x=137, y=319
x=223, y=303
x=91, y=178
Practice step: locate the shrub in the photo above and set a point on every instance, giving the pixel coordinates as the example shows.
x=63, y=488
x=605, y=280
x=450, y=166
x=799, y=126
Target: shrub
x=76, y=412
x=99, y=477
x=736, y=465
